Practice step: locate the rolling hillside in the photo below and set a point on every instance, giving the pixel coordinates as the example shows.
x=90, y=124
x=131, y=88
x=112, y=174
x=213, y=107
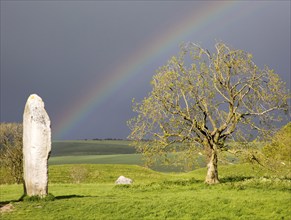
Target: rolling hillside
x=91, y=147
x=110, y=152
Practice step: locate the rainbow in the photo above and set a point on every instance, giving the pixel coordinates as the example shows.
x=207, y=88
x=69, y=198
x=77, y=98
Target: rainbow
x=134, y=63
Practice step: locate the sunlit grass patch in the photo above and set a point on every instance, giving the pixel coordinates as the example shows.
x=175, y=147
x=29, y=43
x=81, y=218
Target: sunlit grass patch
x=244, y=193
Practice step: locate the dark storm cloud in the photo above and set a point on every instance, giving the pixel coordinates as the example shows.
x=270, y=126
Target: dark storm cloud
x=59, y=50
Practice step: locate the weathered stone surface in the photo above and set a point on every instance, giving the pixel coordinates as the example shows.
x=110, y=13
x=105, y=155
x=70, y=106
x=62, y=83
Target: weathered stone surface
x=123, y=180
x=36, y=146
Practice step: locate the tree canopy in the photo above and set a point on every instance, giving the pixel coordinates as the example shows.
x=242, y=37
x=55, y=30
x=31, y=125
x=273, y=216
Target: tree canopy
x=202, y=99
x=277, y=153
x=11, y=150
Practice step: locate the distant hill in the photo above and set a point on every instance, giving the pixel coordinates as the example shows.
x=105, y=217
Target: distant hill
x=91, y=147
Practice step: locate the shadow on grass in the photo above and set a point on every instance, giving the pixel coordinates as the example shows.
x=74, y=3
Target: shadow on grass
x=232, y=179
x=73, y=197
x=3, y=203
x=69, y=197
x=182, y=182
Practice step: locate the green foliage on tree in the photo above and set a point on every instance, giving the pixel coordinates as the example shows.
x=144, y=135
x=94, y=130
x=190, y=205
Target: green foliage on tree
x=11, y=151
x=280, y=147
x=276, y=155
x=199, y=100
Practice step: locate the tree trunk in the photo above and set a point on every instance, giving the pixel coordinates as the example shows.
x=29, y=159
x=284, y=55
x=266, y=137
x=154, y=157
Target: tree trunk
x=212, y=172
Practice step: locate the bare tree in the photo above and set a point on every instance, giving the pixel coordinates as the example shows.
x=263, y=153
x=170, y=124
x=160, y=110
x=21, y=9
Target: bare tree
x=199, y=100
x=11, y=149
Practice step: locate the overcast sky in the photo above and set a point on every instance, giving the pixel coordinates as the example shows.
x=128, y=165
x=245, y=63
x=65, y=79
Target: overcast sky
x=64, y=50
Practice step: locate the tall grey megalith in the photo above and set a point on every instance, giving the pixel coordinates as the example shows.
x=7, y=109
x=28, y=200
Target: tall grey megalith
x=36, y=146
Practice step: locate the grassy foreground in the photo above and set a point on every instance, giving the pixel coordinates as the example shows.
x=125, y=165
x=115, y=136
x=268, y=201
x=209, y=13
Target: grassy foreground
x=242, y=194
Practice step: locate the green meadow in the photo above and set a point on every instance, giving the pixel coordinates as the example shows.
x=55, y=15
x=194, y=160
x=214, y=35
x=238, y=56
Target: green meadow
x=91, y=147
x=94, y=152
x=83, y=188
x=100, y=152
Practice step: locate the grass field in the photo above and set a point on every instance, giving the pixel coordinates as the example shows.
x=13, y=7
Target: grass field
x=91, y=147
x=98, y=159
x=82, y=176
x=100, y=152
x=94, y=152
x=242, y=194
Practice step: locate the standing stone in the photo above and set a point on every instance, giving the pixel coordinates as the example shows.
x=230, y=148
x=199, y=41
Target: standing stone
x=36, y=146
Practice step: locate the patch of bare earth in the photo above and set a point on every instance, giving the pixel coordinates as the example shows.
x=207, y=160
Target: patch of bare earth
x=6, y=208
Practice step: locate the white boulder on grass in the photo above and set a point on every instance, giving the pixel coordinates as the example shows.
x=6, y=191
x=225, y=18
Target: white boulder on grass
x=36, y=146
x=123, y=180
